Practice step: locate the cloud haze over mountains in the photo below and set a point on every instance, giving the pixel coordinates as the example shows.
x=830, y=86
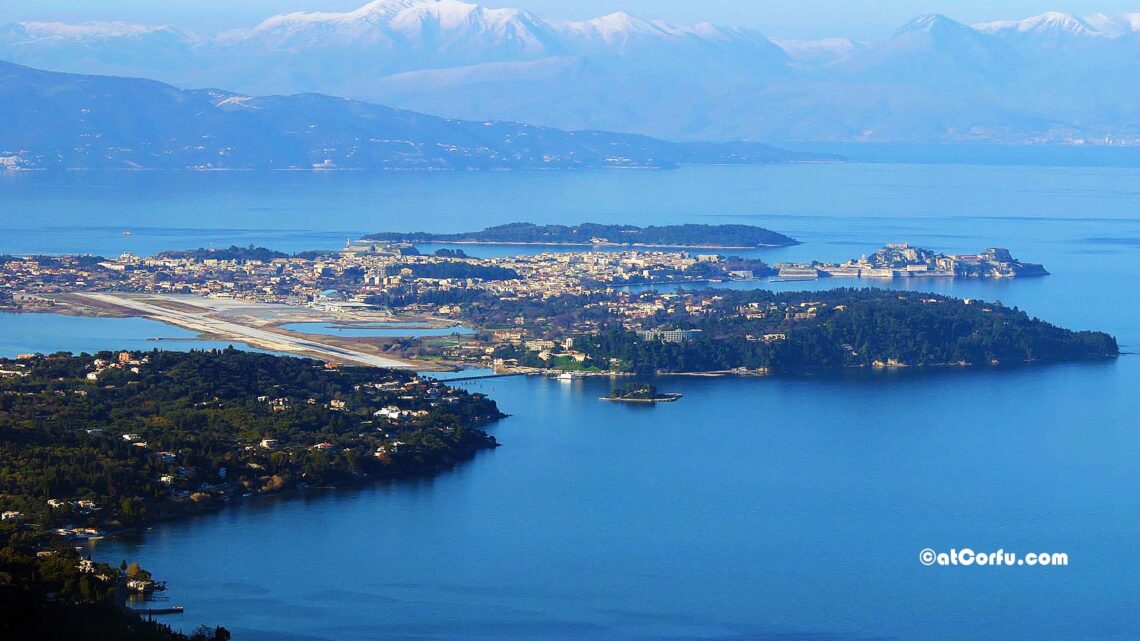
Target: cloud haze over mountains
x=1049, y=78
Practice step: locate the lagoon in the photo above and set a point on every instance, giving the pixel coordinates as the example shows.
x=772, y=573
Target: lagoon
x=50, y=333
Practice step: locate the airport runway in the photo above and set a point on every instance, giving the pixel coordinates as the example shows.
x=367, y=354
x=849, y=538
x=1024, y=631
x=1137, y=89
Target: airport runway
x=255, y=336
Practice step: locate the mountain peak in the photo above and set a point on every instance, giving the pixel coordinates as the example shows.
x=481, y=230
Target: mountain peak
x=387, y=6
x=374, y=9
x=930, y=45
x=936, y=30
x=619, y=21
x=1114, y=25
x=115, y=29
x=1051, y=23
x=930, y=22
x=619, y=17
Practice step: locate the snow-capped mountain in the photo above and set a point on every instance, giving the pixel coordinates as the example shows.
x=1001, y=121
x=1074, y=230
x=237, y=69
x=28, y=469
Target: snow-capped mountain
x=99, y=47
x=432, y=34
x=1060, y=37
x=356, y=52
x=931, y=47
x=1053, y=77
x=412, y=32
x=1115, y=25
x=622, y=33
x=1049, y=25
x=99, y=31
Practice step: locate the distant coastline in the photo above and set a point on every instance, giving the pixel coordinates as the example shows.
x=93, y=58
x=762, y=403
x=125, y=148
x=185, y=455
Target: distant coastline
x=505, y=243
x=688, y=236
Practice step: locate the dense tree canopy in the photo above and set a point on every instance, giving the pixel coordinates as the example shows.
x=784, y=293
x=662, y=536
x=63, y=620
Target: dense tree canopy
x=800, y=331
x=115, y=439
x=158, y=431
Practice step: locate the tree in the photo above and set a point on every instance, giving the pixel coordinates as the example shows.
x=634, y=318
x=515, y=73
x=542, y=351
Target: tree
x=132, y=510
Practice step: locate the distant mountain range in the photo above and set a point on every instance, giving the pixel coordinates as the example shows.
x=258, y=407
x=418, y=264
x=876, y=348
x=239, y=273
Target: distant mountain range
x=1050, y=78
x=68, y=121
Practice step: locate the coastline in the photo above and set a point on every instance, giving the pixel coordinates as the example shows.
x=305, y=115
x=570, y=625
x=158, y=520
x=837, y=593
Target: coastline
x=880, y=366
x=429, y=366
x=568, y=244
x=663, y=398
x=181, y=511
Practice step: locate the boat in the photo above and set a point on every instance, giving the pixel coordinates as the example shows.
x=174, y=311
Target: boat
x=567, y=376
x=127, y=232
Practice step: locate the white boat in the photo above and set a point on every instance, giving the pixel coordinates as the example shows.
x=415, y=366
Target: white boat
x=566, y=376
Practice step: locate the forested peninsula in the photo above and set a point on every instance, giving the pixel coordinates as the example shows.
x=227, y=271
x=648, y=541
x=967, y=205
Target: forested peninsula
x=797, y=332
x=94, y=443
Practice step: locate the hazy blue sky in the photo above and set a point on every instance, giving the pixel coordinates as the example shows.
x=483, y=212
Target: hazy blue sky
x=784, y=18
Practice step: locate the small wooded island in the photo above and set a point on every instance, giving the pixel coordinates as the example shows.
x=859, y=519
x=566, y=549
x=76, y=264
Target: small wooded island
x=640, y=393
x=593, y=234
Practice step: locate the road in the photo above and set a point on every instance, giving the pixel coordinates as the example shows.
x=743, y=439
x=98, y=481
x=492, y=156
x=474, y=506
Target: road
x=255, y=336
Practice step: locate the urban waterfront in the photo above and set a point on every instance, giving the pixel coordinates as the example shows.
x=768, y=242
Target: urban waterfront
x=760, y=507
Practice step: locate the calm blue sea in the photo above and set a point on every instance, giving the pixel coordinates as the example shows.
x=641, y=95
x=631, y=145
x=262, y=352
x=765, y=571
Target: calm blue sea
x=751, y=509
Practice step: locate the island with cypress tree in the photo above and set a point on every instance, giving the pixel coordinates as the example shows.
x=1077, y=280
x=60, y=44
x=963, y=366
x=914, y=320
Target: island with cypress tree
x=640, y=393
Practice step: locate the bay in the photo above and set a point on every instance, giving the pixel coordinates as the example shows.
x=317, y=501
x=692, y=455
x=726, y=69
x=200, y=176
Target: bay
x=785, y=508
x=750, y=509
